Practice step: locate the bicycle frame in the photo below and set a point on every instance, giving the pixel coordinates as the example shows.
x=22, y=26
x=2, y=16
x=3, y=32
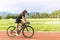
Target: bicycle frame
x=23, y=26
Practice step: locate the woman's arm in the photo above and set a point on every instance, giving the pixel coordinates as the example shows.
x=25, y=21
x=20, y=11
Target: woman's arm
x=24, y=19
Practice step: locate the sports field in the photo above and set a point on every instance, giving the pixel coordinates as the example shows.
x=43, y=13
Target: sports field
x=49, y=29
x=50, y=24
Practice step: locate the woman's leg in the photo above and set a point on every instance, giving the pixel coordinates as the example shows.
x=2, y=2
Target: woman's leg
x=17, y=25
x=21, y=23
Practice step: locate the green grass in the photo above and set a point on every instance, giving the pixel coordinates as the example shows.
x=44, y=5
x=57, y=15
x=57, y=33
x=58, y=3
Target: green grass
x=5, y=23
x=45, y=20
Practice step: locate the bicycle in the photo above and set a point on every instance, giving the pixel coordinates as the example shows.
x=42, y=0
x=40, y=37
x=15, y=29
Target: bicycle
x=25, y=29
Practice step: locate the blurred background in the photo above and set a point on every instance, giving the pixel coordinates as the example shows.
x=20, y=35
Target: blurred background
x=44, y=14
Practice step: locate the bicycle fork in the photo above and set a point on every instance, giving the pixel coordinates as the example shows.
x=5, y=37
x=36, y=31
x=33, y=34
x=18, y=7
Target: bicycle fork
x=27, y=29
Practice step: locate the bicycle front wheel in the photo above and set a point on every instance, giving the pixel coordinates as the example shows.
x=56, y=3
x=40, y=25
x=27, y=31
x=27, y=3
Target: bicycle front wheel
x=28, y=32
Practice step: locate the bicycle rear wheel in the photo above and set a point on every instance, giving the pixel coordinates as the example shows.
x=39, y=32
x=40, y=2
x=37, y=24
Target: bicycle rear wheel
x=11, y=31
x=28, y=32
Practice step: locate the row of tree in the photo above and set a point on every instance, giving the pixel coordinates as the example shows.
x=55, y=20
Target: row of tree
x=8, y=17
x=54, y=14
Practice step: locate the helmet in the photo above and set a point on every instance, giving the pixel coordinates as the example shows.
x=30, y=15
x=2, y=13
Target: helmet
x=25, y=11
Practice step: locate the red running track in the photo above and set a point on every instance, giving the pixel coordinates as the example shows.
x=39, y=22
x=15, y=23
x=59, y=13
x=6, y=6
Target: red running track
x=37, y=36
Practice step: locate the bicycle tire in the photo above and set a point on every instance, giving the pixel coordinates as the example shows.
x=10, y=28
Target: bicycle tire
x=11, y=30
x=30, y=35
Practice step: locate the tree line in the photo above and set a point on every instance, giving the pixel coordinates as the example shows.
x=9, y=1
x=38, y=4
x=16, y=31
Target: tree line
x=54, y=14
x=8, y=16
